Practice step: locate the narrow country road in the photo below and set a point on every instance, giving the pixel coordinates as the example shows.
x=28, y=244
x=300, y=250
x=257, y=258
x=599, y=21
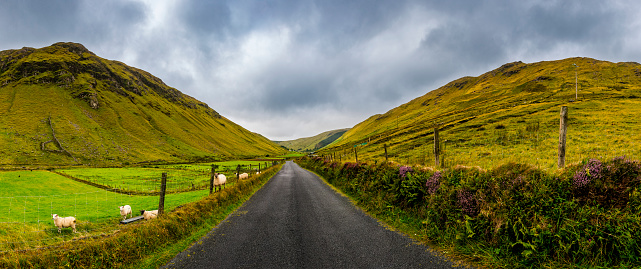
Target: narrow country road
x=297, y=221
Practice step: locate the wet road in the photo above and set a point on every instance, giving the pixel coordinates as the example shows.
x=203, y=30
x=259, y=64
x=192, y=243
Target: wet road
x=297, y=221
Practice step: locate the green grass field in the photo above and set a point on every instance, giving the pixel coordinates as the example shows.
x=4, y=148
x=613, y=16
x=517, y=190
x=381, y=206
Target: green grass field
x=292, y=154
x=510, y=114
x=28, y=198
x=180, y=177
x=143, y=244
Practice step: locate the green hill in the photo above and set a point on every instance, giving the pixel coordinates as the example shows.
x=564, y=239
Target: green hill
x=63, y=105
x=309, y=144
x=511, y=114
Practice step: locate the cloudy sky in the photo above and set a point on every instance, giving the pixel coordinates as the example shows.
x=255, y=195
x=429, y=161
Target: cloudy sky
x=294, y=68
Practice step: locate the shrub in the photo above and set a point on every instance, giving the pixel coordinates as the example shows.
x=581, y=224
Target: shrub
x=591, y=171
x=403, y=170
x=513, y=215
x=467, y=202
x=434, y=183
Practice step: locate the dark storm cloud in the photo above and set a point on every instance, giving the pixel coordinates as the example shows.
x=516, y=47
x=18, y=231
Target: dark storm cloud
x=31, y=21
x=289, y=69
x=206, y=17
x=41, y=23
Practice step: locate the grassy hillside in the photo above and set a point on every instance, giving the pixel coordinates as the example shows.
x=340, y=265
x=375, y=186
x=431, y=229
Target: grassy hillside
x=313, y=143
x=511, y=114
x=63, y=105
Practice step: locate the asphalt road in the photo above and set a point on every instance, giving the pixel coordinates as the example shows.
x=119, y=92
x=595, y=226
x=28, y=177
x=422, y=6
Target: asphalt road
x=297, y=221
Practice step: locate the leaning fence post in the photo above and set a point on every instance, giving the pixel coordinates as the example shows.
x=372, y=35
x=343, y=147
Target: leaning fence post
x=163, y=188
x=562, y=133
x=385, y=146
x=437, y=150
x=355, y=155
x=211, y=179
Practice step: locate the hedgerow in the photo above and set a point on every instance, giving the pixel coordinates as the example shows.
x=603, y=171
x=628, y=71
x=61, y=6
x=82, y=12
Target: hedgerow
x=513, y=215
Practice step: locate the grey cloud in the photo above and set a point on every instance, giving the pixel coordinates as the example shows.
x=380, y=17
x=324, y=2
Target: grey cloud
x=323, y=64
x=32, y=21
x=206, y=17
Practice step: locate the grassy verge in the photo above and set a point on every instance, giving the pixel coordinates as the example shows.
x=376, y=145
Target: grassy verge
x=164, y=255
x=152, y=242
x=511, y=216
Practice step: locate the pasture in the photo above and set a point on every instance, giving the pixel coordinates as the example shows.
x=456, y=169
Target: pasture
x=146, y=179
x=29, y=198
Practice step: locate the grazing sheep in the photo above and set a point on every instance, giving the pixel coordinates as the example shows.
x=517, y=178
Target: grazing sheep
x=219, y=181
x=124, y=210
x=64, y=222
x=147, y=215
x=243, y=176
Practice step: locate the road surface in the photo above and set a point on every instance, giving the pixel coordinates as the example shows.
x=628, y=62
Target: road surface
x=298, y=221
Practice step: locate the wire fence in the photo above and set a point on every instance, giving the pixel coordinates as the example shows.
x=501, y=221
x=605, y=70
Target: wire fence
x=26, y=221
x=539, y=149
x=183, y=178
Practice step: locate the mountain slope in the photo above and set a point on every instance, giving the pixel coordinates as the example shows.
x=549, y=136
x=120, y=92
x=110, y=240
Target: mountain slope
x=313, y=143
x=62, y=104
x=511, y=114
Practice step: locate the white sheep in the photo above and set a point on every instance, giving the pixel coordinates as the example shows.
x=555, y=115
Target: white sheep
x=147, y=215
x=125, y=210
x=219, y=181
x=64, y=222
x=243, y=176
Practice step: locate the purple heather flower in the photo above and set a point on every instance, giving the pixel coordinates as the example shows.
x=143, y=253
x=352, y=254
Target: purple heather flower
x=434, y=183
x=403, y=170
x=592, y=170
x=467, y=202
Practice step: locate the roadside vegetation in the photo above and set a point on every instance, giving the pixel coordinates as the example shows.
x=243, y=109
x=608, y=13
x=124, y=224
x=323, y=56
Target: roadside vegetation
x=514, y=215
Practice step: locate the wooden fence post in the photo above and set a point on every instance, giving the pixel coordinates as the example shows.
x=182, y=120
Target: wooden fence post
x=163, y=189
x=385, y=146
x=355, y=155
x=562, y=134
x=211, y=179
x=238, y=172
x=437, y=149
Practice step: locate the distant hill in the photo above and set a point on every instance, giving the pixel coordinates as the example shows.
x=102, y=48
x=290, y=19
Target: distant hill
x=62, y=104
x=511, y=114
x=309, y=144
